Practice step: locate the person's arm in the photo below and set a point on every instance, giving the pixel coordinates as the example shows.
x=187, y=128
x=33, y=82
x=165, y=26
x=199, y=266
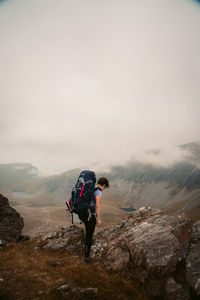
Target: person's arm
x=98, y=209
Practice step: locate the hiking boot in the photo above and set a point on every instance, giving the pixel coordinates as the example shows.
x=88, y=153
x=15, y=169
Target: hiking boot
x=87, y=260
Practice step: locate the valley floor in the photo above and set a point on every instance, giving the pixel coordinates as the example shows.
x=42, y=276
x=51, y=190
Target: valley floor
x=39, y=220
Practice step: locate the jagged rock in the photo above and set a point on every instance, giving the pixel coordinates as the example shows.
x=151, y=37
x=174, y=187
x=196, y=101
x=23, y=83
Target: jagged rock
x=193, y=259
x=149, y=244
x=157, y=252
x=147, y=238
x=68, y=238
x=11, y=224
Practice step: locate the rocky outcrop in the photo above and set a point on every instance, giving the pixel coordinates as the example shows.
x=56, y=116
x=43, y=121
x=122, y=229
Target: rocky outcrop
x=159, y=253
x=11, y=224
x=149, y=239
x=152, y=248
x=68, y=238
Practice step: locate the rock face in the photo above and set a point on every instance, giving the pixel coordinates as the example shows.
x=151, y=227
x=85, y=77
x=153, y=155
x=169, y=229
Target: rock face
x=149, y=239
x=11, y=224
x=68, y=238
x=159, y=253
x=151, y=247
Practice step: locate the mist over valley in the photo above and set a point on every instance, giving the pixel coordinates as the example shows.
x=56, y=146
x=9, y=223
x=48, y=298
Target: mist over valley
x=171, y=184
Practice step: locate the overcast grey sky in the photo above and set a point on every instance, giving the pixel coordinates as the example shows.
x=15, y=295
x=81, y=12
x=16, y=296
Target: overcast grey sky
x=87, y=81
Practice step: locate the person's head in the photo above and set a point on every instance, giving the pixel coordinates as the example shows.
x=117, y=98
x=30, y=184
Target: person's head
x=103, y=183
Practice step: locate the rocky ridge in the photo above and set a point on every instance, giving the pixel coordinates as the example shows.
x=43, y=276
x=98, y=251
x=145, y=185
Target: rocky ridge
x=158, y=252
x=151, y=254
x=67, y=238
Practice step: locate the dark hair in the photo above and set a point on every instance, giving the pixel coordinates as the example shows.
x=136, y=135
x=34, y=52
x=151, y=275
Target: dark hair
x=102, y=181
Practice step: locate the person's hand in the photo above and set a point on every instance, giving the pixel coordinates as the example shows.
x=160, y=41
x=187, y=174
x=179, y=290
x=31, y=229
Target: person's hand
x=99, y=222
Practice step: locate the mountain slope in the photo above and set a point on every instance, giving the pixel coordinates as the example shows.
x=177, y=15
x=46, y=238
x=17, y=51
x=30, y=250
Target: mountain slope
x=17, y=176
x=169, y=181
x=175, y=186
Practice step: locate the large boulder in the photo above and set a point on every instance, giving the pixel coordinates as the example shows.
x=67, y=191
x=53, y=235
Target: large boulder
x=149, y=246
x=11, y=224
x=148, y=239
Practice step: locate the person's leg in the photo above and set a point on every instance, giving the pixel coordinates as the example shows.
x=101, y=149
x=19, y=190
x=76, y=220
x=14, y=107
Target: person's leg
x=84, y=218
x=89, y=227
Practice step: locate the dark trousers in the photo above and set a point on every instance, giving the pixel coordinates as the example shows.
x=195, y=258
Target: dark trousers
x=89, y=230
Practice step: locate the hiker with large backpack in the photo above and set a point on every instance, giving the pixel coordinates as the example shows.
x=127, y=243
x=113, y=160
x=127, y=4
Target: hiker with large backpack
x=86, y=202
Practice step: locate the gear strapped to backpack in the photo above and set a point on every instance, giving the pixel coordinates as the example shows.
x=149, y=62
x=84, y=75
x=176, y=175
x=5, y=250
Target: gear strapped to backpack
x=82, y=193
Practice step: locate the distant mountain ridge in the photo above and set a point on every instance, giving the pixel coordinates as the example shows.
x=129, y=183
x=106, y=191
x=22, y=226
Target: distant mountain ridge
x=138, y=183
x=16, y=175
x=176, y=186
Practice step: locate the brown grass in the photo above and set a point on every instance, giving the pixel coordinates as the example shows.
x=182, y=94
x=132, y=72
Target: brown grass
x=30, y=273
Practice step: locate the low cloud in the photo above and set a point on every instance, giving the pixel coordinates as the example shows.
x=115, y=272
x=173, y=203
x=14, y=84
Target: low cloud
x=162, y=157
x=79, y=88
